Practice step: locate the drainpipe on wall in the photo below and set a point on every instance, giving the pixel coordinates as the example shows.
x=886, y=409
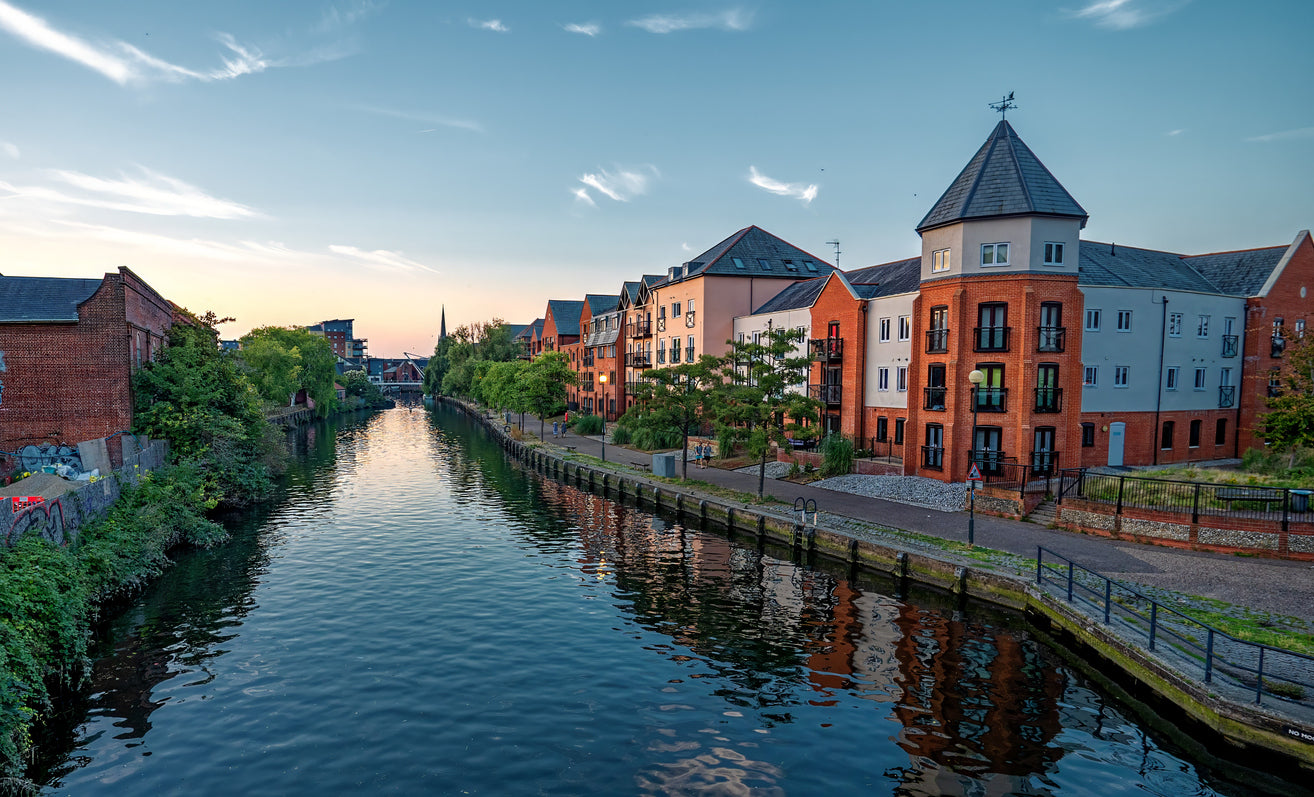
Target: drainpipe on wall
x=861, y=426
x=1158, y=392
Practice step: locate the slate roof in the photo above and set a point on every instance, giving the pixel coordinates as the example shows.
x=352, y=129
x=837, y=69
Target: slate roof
x=795, y=297
x=516, y=330
x=601, y=303
x=29, y=299
x=532, y=330
x=743, y=255
x=1241, y=273
x=887, y=279
x=1004, y=178
x=565, y=313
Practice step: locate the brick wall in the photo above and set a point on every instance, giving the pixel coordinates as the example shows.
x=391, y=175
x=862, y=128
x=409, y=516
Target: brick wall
x=836, y=305
x=1142, y=441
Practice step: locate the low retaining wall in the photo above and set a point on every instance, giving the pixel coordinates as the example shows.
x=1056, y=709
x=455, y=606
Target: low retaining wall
x=1209, y=533
x=59, y=519
x=1246, y=729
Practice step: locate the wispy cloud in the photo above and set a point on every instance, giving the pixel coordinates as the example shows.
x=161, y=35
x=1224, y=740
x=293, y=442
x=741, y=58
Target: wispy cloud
x=150, y=192
x=422, y=118
x=338, y=16
x=588, y=29
x=10, y=149
x=582, y=194
x=734, y=19
x=1127, y=14
x=127, y=64
x=1284, y=135
x=494, y=25
x=381, y=259
x=796, y=190
x=1176, y=132
x=242, y=252
x=620, y=185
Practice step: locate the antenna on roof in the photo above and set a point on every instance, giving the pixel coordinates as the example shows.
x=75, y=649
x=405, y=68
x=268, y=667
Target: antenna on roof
x=1003, y=105
x=835, y=243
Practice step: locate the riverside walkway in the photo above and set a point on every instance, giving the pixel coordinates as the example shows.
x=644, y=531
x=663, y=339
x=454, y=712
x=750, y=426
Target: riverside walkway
x=1264, y=586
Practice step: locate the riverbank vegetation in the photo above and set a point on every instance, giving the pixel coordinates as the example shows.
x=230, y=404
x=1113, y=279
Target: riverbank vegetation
x=223, y=454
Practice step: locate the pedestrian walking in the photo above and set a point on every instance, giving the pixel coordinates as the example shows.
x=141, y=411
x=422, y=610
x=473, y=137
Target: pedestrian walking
x=554, y=428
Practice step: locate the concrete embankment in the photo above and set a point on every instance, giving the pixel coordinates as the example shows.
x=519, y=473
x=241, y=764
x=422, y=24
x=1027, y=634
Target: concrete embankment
x=1259, y=735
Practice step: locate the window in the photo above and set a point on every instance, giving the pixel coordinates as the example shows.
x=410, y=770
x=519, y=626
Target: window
x=903, y=378
x=1224, y=377
x=1053, y=253
x=739, y=263
x=935, y=387
x=990, y=394
x=689, y=350
x=939, y=261
x=810, y=266
x=764, y=263
x=675, y=350
x=1220, y=432
x=1175, y=325
x=661, y=350
x=1048, y=393
x=1088, y=435
x=789, y=266
x=1170, y=379
x=691, y=305
x=933, y=451
x=1091, y=376
x=1300, y=327
x=1092, y=320
x=994, y=254
x=905, y=327
x=1200, y=379
x=661, y=313
x=885, y=330
x=1124, y=320
x=992, y=327
x=1193, y=434
x=1051, y=333
x=1120, y=375
x=882, y=428
x=1202, y=327
x=1166, y=438
x=675, y=309
x=883, y=379
x=898, y=431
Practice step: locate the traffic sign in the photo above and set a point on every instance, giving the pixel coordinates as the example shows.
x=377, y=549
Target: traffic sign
x=974, y=473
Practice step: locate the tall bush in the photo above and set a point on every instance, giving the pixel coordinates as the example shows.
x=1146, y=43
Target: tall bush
x=837, y=455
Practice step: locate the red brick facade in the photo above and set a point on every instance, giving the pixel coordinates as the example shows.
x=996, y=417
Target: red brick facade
x=839, y=324
x=67, y=383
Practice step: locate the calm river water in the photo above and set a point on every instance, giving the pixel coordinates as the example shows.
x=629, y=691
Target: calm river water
x=421, y=616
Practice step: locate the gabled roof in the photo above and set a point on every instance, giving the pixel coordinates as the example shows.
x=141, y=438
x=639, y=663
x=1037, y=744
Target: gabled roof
x=1118, y=265
x=565, y=314
x=516, y=330
x=795, y=297
x=1241, y=273
x=33, y=299
x=532, y=330
x=887, y=279
x=1004, y=178
x=754, y=252
x=601, y=303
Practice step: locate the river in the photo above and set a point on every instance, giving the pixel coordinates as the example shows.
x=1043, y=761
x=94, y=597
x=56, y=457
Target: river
x=420, y=615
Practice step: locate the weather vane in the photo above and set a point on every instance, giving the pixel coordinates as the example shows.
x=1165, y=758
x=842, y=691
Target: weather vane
x=1003, y=105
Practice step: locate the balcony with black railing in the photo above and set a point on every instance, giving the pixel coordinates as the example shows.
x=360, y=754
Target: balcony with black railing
x=933, y=457
x=937, y=340
x=688, y=354
x=829, y=349
x=991, y=338
x=639, y=329
x=1226, y=396
x=1044, y=463
x=638, y=359
x=586, y=362
x=661, y=324
x=675, y=354
x=829, y=395
x=1231, y=345
x=632, y=388
x=935, y=398
x=992, y=399
x=661, y=356
x=1051, y=339
x=689, y=319
x=1049, y=399
x=1277, y=346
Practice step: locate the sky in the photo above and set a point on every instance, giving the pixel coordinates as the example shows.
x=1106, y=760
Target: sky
x=286, y=163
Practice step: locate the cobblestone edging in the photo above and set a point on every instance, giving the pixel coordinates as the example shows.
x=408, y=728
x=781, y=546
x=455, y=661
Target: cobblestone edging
x=1259, y=731
x=59, y=519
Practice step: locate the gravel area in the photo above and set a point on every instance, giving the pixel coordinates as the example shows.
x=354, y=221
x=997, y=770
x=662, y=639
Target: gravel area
x=915, y=490
x=774, y=470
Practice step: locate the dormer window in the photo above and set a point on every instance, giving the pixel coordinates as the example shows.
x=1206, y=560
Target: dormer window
x=764, y=263
x=810, y=266
x=789, y=266
x=994, y=254
x=739, y=263
x=1053, y=253
x=939, y=261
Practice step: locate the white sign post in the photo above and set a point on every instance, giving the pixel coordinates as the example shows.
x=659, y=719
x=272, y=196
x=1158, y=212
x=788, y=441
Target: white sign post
x=974, y=482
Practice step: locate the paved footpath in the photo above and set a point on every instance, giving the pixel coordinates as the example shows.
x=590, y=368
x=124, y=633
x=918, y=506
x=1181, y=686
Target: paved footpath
x=1272, y=586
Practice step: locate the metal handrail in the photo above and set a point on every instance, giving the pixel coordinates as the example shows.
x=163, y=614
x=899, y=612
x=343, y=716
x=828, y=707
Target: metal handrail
x=1176, y=636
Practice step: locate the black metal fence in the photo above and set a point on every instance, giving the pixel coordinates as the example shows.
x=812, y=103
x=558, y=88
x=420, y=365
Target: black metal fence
x=1278, y=504
x=886, y=449
x=1022, y=478
x=1240, y=668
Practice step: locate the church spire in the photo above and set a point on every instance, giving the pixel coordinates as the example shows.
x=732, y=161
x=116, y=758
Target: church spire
x=442, y=324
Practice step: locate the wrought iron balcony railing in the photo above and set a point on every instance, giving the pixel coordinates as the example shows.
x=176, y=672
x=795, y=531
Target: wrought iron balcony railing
x=935, y=398
x=661, y=324
x=689, y=319
x=827, y=394
x=991, y=338
x=639, y=329
x=1051, y=339
x=933, y=457
x=992, y=399
x=826, y=348
x=1231, y=343
x=1044, y=462
x=937, y=340
x=1226, y=396
x=1049, y=399
x=638, y=359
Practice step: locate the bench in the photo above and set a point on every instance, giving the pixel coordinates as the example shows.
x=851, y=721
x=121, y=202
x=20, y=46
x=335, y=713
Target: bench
x=1267, y=495
x=571, y=449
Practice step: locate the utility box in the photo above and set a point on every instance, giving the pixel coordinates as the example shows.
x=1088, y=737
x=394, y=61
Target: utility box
x=664, y=465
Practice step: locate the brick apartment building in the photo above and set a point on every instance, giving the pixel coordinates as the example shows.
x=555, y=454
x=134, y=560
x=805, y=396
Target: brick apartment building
x=68, y=349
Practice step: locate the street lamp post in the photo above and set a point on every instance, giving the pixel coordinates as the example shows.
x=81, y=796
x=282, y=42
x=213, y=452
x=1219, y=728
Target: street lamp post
x=976, y=378
x=602, y=378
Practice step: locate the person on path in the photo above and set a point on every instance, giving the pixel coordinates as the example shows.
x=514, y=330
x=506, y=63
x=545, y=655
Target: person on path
x=554, y=428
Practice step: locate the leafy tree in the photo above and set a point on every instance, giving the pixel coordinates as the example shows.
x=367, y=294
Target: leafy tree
x=544, y=383
x=1289, y=424
x=501, y=386
x=195, y=397
x=452, y=369
x=277, y=358
x=676, y=398
x=755, y=399
x=357, y=384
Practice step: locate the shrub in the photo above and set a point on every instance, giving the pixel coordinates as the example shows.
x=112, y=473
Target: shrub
x=794, y=469
x=587, y=424
x=725, y=441
x=837, y=454
x=620, y=435
x=651, y=438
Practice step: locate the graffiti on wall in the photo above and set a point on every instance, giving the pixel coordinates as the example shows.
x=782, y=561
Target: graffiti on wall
x=33, y=458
